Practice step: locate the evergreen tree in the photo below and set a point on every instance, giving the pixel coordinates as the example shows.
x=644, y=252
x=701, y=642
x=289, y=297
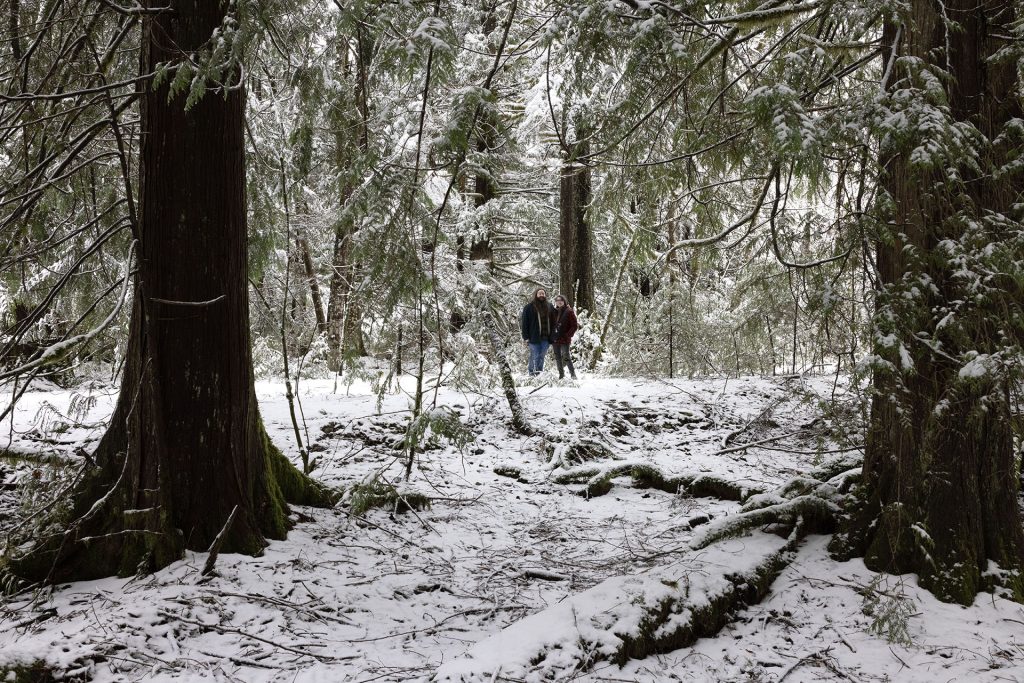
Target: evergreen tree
x=185, y=454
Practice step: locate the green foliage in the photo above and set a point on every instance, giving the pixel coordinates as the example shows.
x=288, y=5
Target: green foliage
x=34, y=672
x=890, y=610
x=378, y=494
x=431, y=426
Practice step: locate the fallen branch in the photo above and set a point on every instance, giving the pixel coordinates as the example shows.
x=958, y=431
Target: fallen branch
x=759, y=418
x=744, y=446
x=230, y=630
x=211, y=558
x=544, y=575
x=35, y=618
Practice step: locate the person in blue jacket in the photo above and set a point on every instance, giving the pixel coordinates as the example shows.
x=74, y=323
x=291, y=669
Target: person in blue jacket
x=537, y=323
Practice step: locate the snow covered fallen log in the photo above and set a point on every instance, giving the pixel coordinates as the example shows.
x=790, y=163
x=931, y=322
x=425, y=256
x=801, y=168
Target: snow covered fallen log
x=628, y=617
x=730, y=564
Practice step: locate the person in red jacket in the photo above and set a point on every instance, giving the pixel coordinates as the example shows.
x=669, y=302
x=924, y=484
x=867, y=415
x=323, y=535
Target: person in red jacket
x=565, y=327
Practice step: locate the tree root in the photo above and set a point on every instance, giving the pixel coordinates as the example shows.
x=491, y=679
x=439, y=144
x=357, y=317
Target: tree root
x=598, y=481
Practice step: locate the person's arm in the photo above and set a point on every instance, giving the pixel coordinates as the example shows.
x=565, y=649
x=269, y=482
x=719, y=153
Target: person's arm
x=573, y=324
x=522, y=325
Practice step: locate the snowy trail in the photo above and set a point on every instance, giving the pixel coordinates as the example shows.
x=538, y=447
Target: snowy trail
x=392, y=597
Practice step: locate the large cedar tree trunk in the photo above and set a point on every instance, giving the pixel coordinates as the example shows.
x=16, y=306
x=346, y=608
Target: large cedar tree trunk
x=576, y=262
x=185, y=444
x=940, y=480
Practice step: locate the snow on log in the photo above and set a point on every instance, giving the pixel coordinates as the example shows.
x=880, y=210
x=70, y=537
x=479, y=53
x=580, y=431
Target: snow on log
x=629, y=617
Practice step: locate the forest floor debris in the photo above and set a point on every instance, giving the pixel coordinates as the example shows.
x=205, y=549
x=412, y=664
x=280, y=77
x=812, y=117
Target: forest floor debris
x=393, y=597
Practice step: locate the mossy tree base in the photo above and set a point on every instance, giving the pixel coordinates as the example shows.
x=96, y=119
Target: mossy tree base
x=103, y=536
x=185, y=446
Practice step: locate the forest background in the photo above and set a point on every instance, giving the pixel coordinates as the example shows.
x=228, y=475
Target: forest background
x=718, y=188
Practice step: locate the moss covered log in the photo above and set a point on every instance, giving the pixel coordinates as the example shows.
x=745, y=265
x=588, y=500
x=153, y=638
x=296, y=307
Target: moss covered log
x=598, y=482
x=631, y=617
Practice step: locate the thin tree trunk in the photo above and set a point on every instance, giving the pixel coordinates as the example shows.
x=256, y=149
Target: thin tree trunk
x=576, y=271
x=14, y=26
x=344, y=320
x=508, y=384
x=314, y=285
x=599, y=351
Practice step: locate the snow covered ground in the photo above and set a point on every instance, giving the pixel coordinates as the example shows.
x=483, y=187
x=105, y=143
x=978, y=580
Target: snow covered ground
x=394, y=596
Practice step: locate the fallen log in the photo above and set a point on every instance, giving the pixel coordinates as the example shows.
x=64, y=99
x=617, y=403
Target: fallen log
x=630, y=617
x=662, y=609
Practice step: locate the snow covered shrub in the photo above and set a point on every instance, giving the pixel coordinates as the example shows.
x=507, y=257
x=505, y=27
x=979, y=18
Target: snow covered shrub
x=579, y=449
x=587, y=340
x=42, y=499
x=429, y=427
x=266, y=359
x=314, y=364
x=471, y=371
x=364, y=497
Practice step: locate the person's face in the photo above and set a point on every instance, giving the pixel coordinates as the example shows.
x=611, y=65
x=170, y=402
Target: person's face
x=559, y=302
x=542, y=295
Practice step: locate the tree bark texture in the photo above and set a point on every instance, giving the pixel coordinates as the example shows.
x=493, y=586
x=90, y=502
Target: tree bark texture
x=576, y=262
x=941, y=483
x=186, y=443
x=480, y=248
x=14, y=28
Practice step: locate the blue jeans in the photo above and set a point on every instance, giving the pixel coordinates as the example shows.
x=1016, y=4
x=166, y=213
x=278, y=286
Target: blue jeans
x=537, y=353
